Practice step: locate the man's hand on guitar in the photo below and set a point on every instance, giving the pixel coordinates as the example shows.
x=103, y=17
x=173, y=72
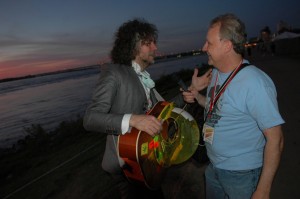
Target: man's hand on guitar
x=146, y=123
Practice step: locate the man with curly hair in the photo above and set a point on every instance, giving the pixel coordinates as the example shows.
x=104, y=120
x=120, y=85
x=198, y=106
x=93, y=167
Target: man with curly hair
x=123, y=95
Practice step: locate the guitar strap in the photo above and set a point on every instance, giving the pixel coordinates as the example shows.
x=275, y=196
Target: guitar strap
x=223, y=87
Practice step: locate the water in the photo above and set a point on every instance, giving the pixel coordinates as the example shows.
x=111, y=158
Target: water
x=49, y=100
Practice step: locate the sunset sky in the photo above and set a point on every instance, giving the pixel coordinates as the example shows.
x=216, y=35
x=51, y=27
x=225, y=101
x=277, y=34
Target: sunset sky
x=38, y=36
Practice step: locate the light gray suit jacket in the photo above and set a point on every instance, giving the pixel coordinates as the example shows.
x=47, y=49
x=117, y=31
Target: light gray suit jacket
x=118, y=92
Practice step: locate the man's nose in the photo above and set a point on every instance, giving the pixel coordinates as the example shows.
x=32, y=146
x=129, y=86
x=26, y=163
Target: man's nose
x=154, y=46
x=204, y=48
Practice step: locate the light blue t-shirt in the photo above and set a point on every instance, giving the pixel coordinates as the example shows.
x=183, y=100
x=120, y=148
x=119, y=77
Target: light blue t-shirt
x=246, y=108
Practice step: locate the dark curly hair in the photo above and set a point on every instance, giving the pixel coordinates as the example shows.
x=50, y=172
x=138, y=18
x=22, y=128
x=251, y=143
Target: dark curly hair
x=127, y=37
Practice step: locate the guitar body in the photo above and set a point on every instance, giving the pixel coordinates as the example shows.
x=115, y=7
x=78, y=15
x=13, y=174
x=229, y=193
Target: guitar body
x=147, y=158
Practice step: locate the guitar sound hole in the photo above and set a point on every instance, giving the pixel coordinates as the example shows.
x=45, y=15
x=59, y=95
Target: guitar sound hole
x=172, y=130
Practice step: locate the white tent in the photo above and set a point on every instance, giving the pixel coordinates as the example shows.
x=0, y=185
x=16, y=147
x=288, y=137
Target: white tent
x=287, y=35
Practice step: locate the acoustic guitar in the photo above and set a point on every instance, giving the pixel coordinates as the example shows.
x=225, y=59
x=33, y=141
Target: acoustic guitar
x=147, y=158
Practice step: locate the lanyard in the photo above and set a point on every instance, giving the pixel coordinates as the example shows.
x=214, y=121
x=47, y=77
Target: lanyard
x=216, y=97
x=212, y=100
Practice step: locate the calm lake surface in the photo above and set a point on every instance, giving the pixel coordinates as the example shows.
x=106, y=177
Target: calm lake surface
x=49, y=100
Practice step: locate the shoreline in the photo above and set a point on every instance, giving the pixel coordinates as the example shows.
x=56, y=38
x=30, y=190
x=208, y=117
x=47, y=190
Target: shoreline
x=158, y=59
x=30, y=102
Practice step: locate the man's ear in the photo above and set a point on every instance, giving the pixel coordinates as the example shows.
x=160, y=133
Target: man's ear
x=228, y=46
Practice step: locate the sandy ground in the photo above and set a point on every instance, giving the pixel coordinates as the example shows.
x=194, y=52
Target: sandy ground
x=285, y=73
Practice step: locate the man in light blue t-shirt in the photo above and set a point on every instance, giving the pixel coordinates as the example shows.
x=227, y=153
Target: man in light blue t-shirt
x=242, y=130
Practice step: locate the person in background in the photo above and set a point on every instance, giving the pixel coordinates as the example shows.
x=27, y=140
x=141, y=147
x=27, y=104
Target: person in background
x=267, y=45
x=242, y=129
x=123, y=95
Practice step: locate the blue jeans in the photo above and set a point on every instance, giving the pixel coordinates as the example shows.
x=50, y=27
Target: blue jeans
x=227, y=184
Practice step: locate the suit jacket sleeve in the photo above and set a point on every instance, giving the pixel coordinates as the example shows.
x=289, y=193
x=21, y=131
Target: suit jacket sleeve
x=117, y=92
